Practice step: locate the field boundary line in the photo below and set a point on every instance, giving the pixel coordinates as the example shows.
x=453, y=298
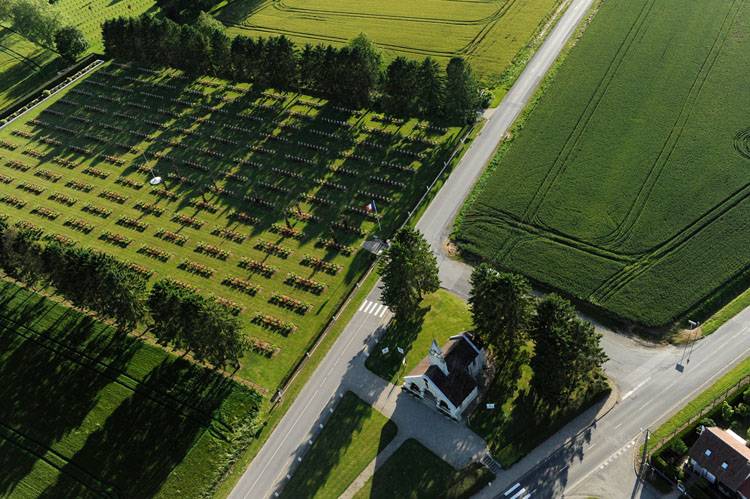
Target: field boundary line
x=54, y=91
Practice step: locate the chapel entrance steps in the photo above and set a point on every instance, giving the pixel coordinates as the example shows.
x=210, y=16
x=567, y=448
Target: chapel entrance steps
x=491, y=464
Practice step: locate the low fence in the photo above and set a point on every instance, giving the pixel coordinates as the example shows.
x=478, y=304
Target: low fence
x=729, y=392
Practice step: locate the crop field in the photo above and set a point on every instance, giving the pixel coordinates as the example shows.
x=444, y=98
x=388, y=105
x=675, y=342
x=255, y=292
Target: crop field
x=87, y=410
x=262, y=202
x=628, y=185
x=489, y=33
x=23, y=66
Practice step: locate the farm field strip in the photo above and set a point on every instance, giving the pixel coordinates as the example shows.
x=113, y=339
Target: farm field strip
x=128, y=408
x=263, y=195
x=489, y=34
x=591, y=177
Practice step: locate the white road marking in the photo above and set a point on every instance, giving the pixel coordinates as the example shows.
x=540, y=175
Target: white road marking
x=510, y=490
x=639, y=385
x=296, y=421
x=373, y=308
x=518, y=494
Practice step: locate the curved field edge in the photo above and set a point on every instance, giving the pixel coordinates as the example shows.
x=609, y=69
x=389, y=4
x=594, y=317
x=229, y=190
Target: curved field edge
x=673, y=279
x=93, y=408
x=493, y=43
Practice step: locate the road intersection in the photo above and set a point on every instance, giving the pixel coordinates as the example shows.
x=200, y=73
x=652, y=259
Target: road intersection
x=592, y=454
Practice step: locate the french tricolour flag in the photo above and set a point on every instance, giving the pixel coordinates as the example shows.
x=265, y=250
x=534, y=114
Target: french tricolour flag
x=370, y=207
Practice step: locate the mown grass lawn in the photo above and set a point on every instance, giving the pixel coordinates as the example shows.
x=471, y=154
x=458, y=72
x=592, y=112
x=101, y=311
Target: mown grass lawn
x=414, y=472
x=23, y=66
x=442, y=315
x=89, y=15
x=353, y=435
x=263, y=188
x=89, y=412
x=627, y=186
x=488, y=34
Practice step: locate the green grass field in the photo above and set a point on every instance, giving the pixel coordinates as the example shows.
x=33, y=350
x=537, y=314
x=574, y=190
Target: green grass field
x=352, y=437
x=414, y=472
x=489, y=33
x=23, y=66
x=283, y=176
x=88, y=412
x=89, y=15
x=443, y=315
x=627, y=187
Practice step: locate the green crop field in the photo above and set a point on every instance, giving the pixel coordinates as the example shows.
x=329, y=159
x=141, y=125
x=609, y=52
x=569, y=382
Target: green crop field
x=23, y=66
x=628, y=185
x=262, y=202
x=88, y=412
x=489, y=33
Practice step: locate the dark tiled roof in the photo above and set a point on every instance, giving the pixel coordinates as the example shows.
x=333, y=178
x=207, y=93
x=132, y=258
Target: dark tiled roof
x=458, y=354
x=456, y=386
x=724, y=449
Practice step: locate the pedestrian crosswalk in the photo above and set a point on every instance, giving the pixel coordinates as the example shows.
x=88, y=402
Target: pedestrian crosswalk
x=373, y=308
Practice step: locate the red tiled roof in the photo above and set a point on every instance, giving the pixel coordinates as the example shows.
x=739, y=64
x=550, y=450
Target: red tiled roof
x=724, y=449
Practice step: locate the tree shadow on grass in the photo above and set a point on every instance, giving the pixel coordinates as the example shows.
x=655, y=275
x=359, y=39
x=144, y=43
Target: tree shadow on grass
x=401, y=334
x=349, y=418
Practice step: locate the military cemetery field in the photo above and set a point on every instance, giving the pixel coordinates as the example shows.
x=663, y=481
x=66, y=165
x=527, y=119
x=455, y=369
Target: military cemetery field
x=25, y=65
x=88, y=15
x=627, y=186
x=262, y=201
x=88, y=412
x=488, y=33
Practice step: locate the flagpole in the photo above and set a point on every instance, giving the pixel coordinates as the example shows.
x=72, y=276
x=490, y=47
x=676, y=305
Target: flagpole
x=377, y=217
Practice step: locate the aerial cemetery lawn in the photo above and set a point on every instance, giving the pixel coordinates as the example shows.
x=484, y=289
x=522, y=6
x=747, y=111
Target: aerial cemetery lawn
x=488, y=34
x=90, y=412
x=627, y=187
x=88, y=15
x=263, y=199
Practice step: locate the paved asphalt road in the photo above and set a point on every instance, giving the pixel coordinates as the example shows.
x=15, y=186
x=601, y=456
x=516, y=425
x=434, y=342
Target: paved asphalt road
x=289, y=439
x=599, y=459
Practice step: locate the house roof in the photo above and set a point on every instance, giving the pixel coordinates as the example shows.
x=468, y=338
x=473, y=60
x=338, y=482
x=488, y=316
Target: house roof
x=459, y=352
x=724, y=449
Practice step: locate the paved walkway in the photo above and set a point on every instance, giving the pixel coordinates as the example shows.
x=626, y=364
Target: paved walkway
x=371, y=468
x=453, y=441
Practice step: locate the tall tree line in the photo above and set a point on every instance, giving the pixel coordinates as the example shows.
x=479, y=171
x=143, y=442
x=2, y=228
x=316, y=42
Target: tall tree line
x=352, y=75
x=567, y=355
x=178, y=315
